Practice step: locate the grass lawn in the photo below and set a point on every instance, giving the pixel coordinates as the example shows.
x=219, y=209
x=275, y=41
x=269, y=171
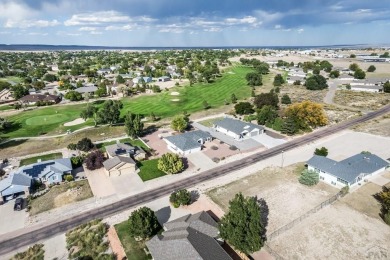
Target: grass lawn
x=149, y=171
x=14, y=79
x=135, y=142
x=210, y=122
x=102, y=146
x=134, y=250
x=6, y=107
x=45, y=157
x=59, y=196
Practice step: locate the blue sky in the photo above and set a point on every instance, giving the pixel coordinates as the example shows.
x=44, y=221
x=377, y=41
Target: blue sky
x=195, y=22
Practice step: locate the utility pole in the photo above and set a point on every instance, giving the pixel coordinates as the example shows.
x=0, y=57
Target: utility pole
x=282, y=158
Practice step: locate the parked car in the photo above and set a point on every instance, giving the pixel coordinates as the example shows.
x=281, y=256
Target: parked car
x=19, y=204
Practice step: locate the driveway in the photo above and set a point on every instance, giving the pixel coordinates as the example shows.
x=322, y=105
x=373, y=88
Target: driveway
x=268, y=141
x=100, y=183
x=127, y=183
x=156, y=143
x=11, y=220
x=201, y=161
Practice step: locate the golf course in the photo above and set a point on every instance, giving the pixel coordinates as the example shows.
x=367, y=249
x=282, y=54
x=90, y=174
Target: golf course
x=50, y=120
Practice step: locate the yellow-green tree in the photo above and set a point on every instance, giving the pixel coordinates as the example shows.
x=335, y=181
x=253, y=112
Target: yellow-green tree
x=307, y=115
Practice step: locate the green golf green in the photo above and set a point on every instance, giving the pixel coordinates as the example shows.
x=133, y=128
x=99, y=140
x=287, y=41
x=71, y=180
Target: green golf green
x=47, y=119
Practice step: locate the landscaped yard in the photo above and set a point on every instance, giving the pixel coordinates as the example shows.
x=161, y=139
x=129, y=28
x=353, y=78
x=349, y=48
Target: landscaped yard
x=61, y=195
x=134, y=250
x=45, y=157
x=135, y=142
x=149, y=171
x=210, y=122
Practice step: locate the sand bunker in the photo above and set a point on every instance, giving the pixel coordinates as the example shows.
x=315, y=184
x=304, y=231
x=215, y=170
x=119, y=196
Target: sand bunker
x=175, y=99
x=175, y=93
x=75, y=122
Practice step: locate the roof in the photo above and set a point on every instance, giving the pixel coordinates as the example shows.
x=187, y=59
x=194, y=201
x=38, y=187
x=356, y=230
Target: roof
x=87, y=89
x=41, y=169
x=367, y=87
x=15, y=179
x=39, y=97
x=236, y=126
x=114, y=161
x=189, y=140
x=188, y=237
x=350, y=168
x=118, y=149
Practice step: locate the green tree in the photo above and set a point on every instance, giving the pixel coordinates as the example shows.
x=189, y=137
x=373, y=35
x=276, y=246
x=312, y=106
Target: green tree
x=50, y=77
x=316, y=82
x=244, y=108
x=89, y=112
x=242, y=226
x=309, y=177
x=359, y=74
x=180, y=197
x=385, y=55
x=179, y=123
x=233, y=98
x=289, y=126
x=143, y=223
x=266, y=99
x=170, y=163
x=4, y=85
x=278, y=80
x=110, y=112
x=133, y=124
x=386, y=87
x=254, y=79
x=267, y=114
x=372, y=68
x=101, y=92
x=19, y=91
x=4, y=124
x=323, y=151
x=353, y=67
x=285, y=99
x=334, y=74
x=120, y=79
x=352, y=56
x=73, y=96
x=85, y=144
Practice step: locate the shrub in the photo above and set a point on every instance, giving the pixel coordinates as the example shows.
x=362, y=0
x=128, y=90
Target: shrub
x=344, y=191
x=309, y=178
x=233, y=147
x=143, y=223
x=386, y=218
x=170, y=163
x=214, y=147
x=68, y=178
x=94, y=160
x=2, y=172
x=77, y=161
x=72, y=146
x=85, y=144
x=215, y=159
x=180, y=197
x=321, y=151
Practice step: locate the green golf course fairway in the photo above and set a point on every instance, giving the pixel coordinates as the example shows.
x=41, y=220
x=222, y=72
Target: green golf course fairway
x=50, y=120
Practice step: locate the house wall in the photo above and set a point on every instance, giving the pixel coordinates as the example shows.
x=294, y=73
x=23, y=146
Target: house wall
x=57, y=177
x=125, y=168
x=227, y=132
x=326, y=177
x=13, y=189
x=365, y=89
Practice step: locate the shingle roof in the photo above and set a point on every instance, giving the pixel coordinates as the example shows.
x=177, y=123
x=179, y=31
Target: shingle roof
x=40, y=169
x=114, y=161
x=189, y=140
x=236, y=126
x=87, y=89
x=367, y=87
x=15, y=179
x=118, y=149
x=188, y=238
x=350, y=168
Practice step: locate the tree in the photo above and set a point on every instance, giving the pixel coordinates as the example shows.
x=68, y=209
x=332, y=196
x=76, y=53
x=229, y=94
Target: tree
x=385, y=55
x=101, y=92
x=286, y=99
x=334, y=74
x=205, y=104
x=242, y=226
x=309, y=177
x=353, y=67
x=73, y=96
x=170, y=163
x=4, y=85
x=85, y=144
x=19, y=91
x=267, y=114
x=50, y=77
x=306, y=115
x=316, y=82
x=110, y=112
x=89, y=112
x=266, y=99
x=143, y=223
x=372, y=68
x=180, y=123
x=4, y=124
x=94, y=160
x=323, y=151
x=254, y=79
x=2, y=173
x=359, y=74
x=244, y=108
x=386, y=87
x=352, y=56
x=278, y=80
x=120, y=79
x=180, y=197
x=133, y=124
x=233, y=98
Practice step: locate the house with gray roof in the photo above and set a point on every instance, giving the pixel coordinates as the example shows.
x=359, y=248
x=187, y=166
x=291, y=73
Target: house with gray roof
x=187, y=143
x=367, y=88
x=119, y=165
x=47, y=171
x=237, y=129
x=350, y=171
x=14, y=185
x=189, y=237
x=86, y=89
x=124, y=149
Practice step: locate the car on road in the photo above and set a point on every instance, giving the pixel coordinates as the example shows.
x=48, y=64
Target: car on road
x=20, y=204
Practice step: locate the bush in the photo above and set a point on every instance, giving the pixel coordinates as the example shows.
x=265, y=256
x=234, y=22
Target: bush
x=68, y=178
x=309, y=178
x=215, y=159
x=85, y=144
x=244, y=108
x=72, y=146
x=321, y=151
x=386, y=218
x=143, y=223
x=214, y=147
x=180, y=197
x=170, y=163
x=233, y=147
x=94, y=160
x=344, y=191
x=77, y=161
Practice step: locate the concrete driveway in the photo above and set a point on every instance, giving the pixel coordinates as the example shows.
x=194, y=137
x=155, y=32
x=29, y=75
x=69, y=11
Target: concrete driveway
x=11, y=220
x=201, y=161
x=99, y=182
x=268, y=141
x=126, y=184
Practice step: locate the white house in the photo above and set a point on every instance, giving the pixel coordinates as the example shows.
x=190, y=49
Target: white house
x=137, y=80
x=367, y=88
x=351, y=171
x=187, y=143
x=237, y=129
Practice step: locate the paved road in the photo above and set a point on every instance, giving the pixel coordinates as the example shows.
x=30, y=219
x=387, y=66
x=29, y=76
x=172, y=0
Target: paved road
x=14, y=240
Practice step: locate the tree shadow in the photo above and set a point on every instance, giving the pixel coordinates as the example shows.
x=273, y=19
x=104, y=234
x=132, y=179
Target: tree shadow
x=12, y=143
x=194, y=196
x=377, y=196
x=264, y=212
x=186, y=163
x=163, y=215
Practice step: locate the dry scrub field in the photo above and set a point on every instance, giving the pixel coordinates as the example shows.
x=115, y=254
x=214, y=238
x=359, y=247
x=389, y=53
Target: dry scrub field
x=286, y=198
x=300, y=93
x=362, y=100
x=379, y=126
x=336, y=114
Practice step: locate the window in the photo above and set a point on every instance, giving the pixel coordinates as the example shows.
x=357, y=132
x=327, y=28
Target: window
x=342, y=181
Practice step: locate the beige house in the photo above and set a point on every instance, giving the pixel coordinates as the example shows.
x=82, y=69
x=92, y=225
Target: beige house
x=119, y=165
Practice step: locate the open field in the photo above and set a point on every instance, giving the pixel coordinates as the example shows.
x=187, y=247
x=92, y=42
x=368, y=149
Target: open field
x=379, y=126
x=336, y=114
x=61, y=195
x=300, y=93
x=335, y=232
x=149, y=171
x=286, y=198
x=45, y=157
x=362, y=100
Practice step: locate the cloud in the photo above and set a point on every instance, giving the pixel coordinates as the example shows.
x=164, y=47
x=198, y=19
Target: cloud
x=95, y=32
x=97, y=18
x=300, y=30
x=127, y=27
x=15, y=10
x=37, y=34
x=30, y=23
x=88, y=29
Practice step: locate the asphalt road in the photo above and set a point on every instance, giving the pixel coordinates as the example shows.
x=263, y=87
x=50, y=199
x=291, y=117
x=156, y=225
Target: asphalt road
x=14, y=240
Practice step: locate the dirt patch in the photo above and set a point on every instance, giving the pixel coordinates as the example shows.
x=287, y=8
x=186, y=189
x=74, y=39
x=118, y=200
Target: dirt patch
x=378, y=126
x=77, y=121
x=336, y=114
x=215, y=149
x=361, y=100
x=286, y=198
x=335, y=232
x=300, y=93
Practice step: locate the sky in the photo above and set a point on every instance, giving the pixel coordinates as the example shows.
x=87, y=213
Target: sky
x=165, y=23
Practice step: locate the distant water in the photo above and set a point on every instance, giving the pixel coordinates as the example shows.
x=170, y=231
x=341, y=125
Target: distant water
x=33, y=47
